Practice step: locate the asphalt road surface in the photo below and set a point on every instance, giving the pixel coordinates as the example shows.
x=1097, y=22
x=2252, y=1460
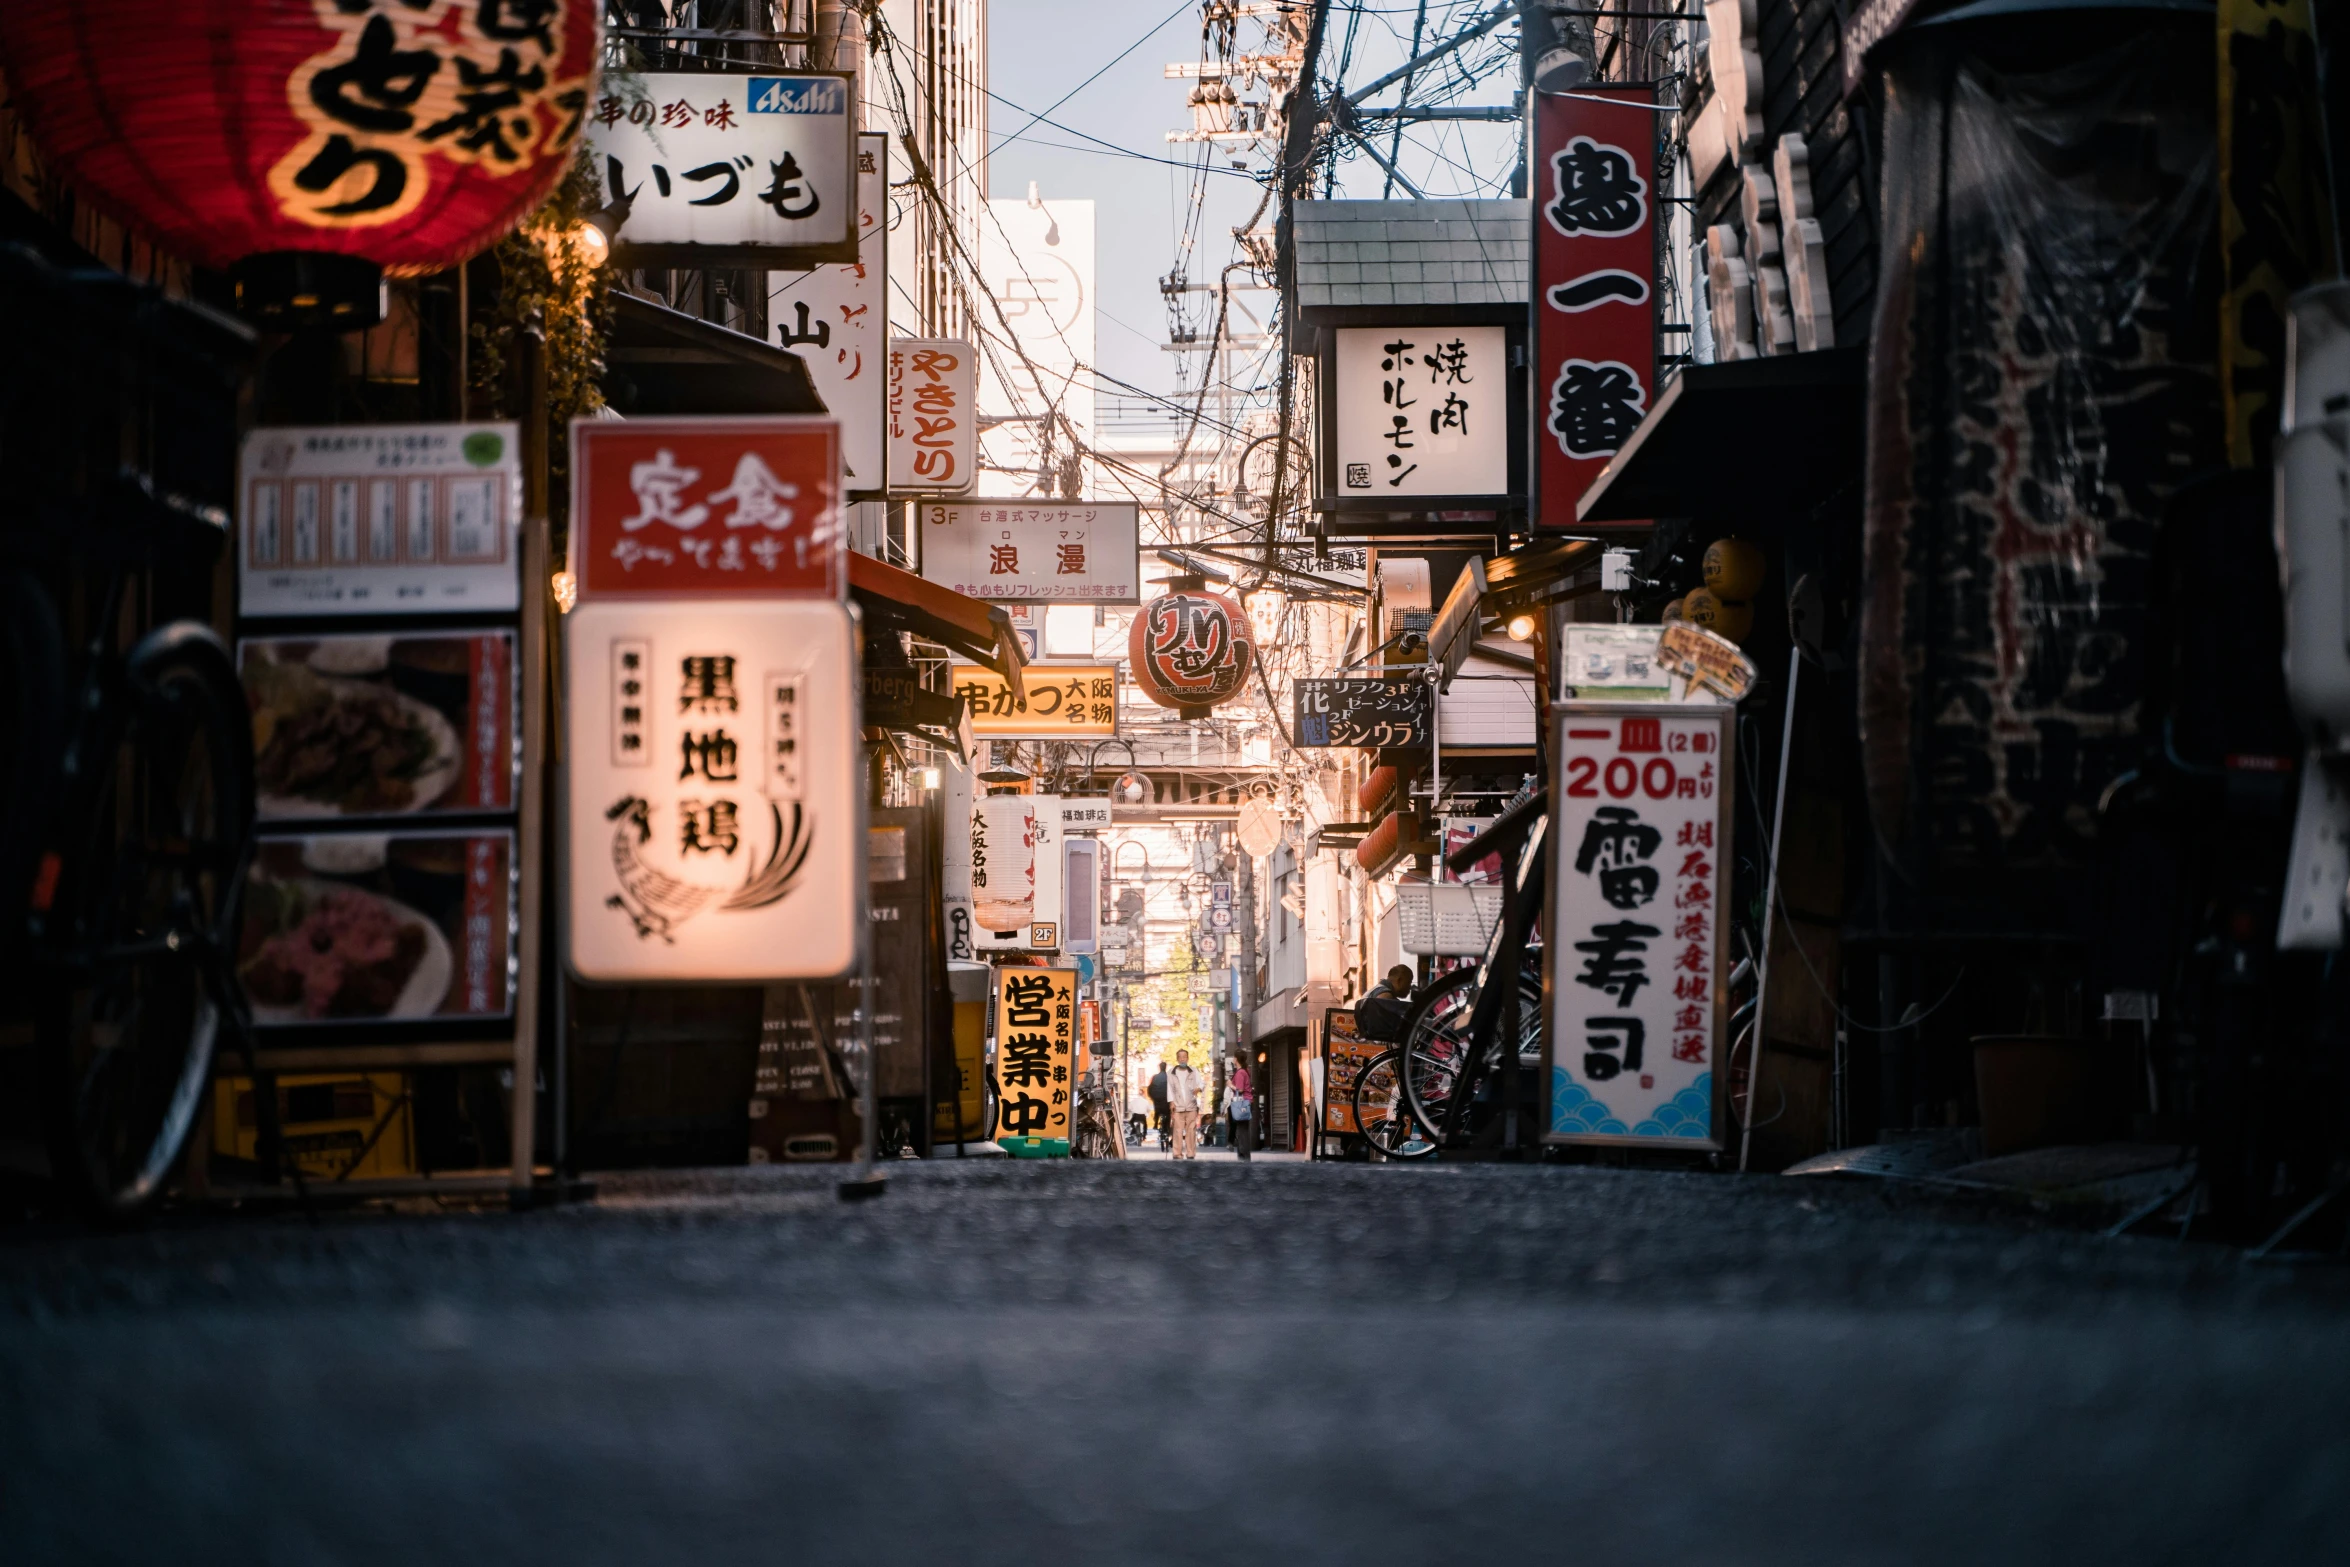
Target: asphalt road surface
x=1156, y=1362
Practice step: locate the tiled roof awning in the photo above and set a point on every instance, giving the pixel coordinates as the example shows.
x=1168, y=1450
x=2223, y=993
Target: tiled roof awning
x=1445, y=255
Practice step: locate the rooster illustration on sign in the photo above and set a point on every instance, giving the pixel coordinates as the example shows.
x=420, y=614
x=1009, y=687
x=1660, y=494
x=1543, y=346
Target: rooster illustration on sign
x=657, y=902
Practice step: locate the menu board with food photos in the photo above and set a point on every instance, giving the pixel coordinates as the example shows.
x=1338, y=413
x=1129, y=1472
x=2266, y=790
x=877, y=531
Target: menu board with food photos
x=387, y=888
x=379, y=928
x=355, y=726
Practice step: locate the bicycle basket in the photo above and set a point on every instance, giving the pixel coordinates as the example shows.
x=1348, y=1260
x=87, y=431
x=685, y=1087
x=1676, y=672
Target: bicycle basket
x=1447, y=919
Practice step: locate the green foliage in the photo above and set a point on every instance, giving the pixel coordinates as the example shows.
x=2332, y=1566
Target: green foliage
x=544, y=274
x=1171, y=995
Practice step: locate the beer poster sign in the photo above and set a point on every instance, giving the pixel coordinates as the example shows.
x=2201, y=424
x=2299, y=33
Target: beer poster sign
x=1639, y=873
x=728, y=170
x=1036, y=1042
x=716, y=818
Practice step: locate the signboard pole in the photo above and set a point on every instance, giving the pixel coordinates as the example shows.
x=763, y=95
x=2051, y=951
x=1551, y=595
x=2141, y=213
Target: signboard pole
x=1762, y=967
x=530, y=882
x=862, y=1182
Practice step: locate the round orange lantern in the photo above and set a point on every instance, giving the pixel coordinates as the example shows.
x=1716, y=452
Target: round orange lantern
x=1190, y=649
x=1733, y=570
x=308, y=146
x=1703, y=607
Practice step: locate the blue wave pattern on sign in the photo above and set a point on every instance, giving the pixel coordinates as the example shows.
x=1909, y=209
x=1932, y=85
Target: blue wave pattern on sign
x=1573, y=1110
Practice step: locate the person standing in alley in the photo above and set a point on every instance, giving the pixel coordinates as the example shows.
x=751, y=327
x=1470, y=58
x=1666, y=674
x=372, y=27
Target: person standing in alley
x=1183, y=1104
x=1159, y=1104
x=1240, y=1105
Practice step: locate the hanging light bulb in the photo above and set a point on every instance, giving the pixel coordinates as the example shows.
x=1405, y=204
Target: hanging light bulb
x=1521, y=627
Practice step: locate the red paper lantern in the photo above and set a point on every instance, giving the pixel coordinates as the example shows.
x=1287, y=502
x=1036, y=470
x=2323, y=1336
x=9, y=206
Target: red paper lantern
x=1190, y=650
x=309, y=145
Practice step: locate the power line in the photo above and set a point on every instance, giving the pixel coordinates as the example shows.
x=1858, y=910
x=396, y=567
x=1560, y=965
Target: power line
x=1033, y=119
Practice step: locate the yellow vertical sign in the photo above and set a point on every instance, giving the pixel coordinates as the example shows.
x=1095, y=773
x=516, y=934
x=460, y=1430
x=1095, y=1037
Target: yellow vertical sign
x=1035, y=1041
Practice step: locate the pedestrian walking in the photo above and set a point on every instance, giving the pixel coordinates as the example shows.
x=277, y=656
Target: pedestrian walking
x=1240, y=1105
x=1183, y=1105
x=1159, y=1106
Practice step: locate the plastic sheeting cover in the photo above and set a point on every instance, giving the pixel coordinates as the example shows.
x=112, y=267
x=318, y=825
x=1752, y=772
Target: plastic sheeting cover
x=2041, y=381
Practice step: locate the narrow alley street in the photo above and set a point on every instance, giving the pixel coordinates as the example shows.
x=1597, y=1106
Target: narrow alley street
x=1148, y=1362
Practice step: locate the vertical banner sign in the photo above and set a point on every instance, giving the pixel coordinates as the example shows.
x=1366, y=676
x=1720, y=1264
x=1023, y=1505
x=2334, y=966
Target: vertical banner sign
x=707, y=508
x=1036, y=1037
x=1640, y=839
x=833, y=318
x=1044, y=920
x=933, y=423
x=959, y=834
x=1081, y=890
x=1594, y=285
x=1003, y=870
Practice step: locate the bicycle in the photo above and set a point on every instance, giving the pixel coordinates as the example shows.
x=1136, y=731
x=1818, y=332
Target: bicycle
x=130, y=821
x=1379, y=1111
x=1094, y=1134
x=1459, y=1087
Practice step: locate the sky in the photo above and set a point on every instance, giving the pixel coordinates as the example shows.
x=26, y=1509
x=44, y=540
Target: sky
x=1041, y=50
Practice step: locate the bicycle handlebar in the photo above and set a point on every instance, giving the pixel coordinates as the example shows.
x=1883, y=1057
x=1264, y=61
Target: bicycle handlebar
x=1503, y=834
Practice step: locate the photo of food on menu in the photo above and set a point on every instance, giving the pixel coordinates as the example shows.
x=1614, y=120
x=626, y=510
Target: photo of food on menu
x=379, y=927
x=361, y=726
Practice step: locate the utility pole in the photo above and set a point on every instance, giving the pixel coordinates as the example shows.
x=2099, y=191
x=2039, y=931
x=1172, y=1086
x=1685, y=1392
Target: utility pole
x=1246, y=917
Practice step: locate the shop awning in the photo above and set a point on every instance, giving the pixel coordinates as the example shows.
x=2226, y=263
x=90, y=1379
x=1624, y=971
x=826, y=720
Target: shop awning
x=1757, y=441
x=1538, y=573
x=897, y=600
x=663, y=361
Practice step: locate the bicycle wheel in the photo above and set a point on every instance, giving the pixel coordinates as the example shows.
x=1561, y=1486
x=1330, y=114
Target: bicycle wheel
x=1436, y=1046
x=148, y=905
x=1379, y=1110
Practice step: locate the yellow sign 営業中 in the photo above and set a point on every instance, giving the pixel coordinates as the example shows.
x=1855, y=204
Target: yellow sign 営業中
x=1035, y=1047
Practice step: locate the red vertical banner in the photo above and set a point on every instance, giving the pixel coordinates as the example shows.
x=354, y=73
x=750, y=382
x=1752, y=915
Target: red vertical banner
x=490, y=723
x=1595, y=201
